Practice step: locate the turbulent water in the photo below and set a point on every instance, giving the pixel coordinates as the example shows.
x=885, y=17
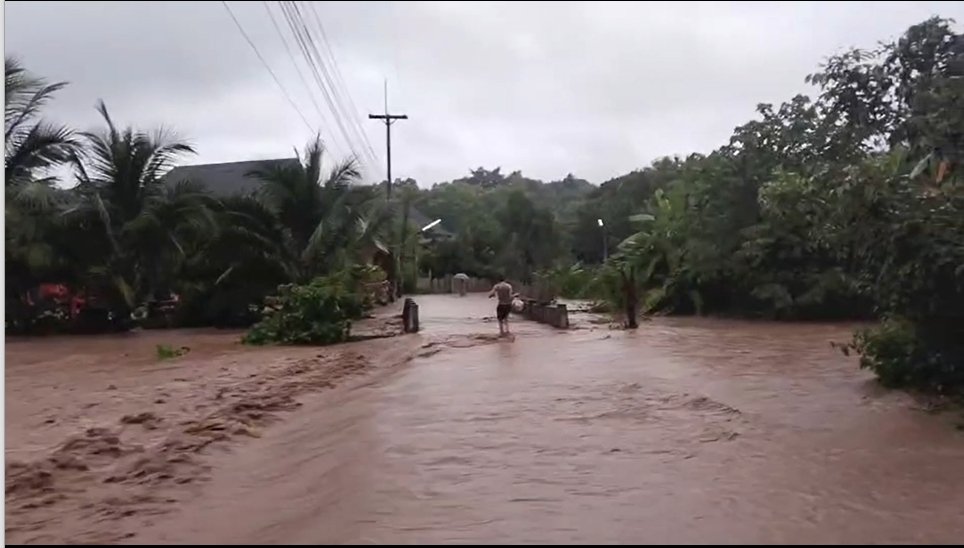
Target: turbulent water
x=686, y=430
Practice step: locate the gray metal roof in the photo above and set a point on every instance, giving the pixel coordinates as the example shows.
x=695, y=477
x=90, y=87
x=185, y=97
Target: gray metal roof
x=228, y=179
x=223, y=180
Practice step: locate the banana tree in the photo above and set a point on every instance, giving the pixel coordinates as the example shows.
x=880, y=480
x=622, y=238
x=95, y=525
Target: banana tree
x=649, y=265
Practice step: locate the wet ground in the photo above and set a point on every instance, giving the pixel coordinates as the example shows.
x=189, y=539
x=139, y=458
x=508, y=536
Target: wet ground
x=685, y=431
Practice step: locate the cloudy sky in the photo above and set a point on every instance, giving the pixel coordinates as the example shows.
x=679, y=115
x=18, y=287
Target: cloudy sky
x=596, y=89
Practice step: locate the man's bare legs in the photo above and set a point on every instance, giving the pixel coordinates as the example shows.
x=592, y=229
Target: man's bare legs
x=504, y=291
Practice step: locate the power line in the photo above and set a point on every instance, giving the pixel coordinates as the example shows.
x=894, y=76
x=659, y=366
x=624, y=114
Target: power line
x=331, y=79
x=340, y=80
x=292, y=57
x=300, y=34
x=265, y=63
x=294, y=62
x=338, y=85
x=347, y=123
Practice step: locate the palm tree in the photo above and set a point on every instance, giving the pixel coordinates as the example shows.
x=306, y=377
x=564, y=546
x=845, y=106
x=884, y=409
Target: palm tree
x=33, y=148
x=137, y=226
x=174, y=225
x=236, y=267
x=327, y=221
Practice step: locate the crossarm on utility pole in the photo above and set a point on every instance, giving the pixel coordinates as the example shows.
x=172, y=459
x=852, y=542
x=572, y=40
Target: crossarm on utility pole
x=388, y=119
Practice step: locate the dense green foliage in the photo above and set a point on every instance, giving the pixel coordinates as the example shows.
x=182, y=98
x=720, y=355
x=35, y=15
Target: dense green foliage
x=508, y=225
x=123, y=238
x=902, y=353
x=847, y=204
x=319, y=312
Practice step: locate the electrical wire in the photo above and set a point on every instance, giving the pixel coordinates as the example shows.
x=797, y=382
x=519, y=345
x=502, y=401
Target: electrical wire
x=266, y=65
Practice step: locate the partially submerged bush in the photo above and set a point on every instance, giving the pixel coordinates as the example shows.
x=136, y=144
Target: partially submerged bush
x=319, y=312
x=367, y=281
x=165, y=352
x=572, y=282
x=907, y=355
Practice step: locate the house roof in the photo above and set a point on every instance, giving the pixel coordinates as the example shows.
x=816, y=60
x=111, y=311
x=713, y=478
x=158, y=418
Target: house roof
x=232, y=178
x=417, y=218
x=223, y=180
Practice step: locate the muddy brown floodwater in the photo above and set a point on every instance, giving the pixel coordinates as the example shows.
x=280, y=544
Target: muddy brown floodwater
x=685, y=431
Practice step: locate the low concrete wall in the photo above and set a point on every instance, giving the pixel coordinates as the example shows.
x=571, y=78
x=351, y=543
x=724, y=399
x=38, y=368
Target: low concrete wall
x=556, y=315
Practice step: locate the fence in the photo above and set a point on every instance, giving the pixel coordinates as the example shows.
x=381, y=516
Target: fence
x=448, y=285
x=539, y=292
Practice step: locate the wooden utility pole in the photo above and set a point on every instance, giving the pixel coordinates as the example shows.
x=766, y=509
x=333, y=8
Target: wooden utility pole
x=390, y=119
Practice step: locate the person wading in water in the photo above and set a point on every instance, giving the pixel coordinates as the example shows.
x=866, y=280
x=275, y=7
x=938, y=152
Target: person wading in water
x=502, y=290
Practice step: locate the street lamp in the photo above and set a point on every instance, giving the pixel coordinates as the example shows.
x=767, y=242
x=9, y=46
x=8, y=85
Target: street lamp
x=424, y=228
x=602, y=226
x=430, y=225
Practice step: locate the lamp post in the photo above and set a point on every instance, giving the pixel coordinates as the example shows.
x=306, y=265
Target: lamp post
x=605, y=241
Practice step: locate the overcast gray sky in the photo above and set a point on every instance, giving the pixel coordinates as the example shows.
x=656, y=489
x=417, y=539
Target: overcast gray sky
x=596, y=89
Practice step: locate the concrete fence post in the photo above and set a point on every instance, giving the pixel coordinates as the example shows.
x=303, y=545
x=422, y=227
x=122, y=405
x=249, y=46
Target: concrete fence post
x=410, y=316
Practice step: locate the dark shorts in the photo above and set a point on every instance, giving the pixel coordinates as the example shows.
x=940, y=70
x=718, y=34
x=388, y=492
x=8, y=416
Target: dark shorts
x=502, y=311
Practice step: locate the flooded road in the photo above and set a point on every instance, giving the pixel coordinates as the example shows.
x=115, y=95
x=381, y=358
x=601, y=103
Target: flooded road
x=685, y=431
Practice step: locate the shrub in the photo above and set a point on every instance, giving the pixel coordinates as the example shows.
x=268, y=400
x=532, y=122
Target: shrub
x=165, y=352
x=907, y=355
x=363, y=279
x=571, y=282
x=319, y=312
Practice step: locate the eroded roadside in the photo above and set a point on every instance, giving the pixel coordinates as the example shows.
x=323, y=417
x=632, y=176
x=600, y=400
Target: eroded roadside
x=102, y=435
